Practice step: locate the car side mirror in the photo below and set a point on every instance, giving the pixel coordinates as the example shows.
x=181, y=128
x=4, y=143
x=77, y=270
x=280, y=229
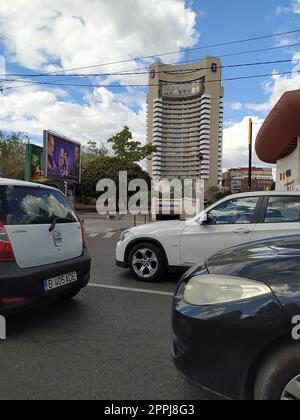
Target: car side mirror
x=204, y=219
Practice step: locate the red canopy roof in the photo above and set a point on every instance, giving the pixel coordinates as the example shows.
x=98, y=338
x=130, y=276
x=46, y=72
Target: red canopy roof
x=278, y=136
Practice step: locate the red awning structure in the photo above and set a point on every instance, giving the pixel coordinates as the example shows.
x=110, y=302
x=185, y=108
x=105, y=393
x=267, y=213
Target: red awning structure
x=278, y=136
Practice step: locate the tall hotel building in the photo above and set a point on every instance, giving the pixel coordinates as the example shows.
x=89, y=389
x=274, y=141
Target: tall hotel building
x=185, y=121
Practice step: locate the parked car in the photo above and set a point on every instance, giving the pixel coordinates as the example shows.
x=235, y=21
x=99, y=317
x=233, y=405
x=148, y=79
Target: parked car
x=151, y=249
x=43, y=250
x=236, y=322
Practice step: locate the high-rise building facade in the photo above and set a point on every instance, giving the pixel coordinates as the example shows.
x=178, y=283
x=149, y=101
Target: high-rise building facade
x=185, y=121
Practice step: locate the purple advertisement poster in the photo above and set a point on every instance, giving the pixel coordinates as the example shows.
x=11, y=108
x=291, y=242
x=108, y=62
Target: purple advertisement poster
x=62, y=158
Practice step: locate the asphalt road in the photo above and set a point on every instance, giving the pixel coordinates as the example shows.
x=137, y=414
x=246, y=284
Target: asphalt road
x=111, y=342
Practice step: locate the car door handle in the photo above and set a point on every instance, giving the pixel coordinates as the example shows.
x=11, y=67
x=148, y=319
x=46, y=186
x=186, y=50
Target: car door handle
x=242, y=231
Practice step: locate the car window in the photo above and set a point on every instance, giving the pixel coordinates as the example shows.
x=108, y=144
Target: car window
x=283, y=210
x=235, y=211
x=30, y=205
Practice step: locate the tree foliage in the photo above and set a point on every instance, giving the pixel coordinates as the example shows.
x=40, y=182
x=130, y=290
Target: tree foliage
x=124, y=147
x=108, y=167
x=214, y=194
x=13, y=154
x=91, y=151
x=95, y=148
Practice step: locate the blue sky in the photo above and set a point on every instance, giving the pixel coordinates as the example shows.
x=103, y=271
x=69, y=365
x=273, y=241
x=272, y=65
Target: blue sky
x=69, y=34
x=233, y=20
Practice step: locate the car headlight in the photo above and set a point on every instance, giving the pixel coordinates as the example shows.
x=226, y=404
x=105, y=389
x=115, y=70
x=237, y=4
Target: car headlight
x=218, y=289
x=124, y=235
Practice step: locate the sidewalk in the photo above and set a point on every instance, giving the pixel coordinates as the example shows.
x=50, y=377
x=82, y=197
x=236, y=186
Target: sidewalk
x=95, y=222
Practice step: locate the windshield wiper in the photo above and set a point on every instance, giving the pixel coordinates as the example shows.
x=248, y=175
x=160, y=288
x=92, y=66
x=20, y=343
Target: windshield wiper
x=53, y=224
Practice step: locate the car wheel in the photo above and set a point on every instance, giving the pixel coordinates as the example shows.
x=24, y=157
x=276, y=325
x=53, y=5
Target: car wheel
x=279, y=378
x=146, y=262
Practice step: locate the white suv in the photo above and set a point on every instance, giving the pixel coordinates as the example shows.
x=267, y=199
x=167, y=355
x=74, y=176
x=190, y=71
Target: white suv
x=43, y=252
x=151, y=249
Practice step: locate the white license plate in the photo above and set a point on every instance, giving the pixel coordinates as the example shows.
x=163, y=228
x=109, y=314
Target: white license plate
x=60, y=281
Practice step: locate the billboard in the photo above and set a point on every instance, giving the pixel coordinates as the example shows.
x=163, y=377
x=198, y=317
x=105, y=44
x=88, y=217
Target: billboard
x=34, y=162
x=62, y=158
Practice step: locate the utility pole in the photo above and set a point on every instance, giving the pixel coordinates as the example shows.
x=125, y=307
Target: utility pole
x=250, y=153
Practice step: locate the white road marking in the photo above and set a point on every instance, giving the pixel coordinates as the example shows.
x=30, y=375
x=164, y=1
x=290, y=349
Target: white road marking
x=93, y=235
x=129, y=289
x=109, y=235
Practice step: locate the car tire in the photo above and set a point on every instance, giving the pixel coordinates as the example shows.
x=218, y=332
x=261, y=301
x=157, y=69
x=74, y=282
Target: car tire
x=280, y=375
x=147, y=262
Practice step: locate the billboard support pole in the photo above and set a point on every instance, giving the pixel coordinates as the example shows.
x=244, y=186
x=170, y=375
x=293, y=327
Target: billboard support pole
x=28, y=162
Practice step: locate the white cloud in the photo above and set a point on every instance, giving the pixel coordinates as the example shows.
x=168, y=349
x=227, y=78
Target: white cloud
x=32, y=110
x=74, y=33
x=236, y=152
x=296, y=6
x=279, y=83
x=281, y=10
x=237, y=106
x=64, y=34
x=277, y=86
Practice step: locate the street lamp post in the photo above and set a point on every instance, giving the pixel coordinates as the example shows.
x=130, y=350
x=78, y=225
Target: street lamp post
x=201, y=158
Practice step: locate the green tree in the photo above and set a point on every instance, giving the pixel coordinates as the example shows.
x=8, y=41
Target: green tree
x=13, y=154
x=214, y=194
x=91, y=151
x=124, y=147
x=96, y=149
x=107, y=167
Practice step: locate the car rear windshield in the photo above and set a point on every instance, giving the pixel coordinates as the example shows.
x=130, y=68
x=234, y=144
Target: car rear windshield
x=34, y=205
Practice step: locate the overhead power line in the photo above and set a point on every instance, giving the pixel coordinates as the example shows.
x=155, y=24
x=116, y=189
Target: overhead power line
x=137, y=73
x=150, y=85
x=226, y=55
x=132, y=71
x=220, y=44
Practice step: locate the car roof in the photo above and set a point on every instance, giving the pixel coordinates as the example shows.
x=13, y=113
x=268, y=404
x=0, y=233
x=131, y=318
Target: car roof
x=18, y=183
x=265, y=194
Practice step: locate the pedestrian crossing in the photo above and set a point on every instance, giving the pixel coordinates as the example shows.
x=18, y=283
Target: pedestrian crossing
x=103, y=229
x=103, y=235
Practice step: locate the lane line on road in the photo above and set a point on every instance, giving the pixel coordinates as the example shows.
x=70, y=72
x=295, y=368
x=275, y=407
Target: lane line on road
x=129, y=289
x=93, y=235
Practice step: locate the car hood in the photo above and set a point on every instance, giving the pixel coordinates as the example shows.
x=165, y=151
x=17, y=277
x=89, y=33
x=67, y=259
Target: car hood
x=275, y=262
x=157, y=228
x=259, y=260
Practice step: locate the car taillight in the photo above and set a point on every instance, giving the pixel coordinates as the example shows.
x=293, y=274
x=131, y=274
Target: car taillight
x=6, y=251
x=84, y=237
x=12, y=301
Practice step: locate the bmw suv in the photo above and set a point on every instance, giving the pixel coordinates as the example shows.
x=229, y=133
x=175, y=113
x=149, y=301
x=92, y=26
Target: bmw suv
x=239, y=219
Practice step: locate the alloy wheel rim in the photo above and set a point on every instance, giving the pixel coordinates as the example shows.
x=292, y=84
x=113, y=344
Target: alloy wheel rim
x=145, y=263
x=292, y=390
